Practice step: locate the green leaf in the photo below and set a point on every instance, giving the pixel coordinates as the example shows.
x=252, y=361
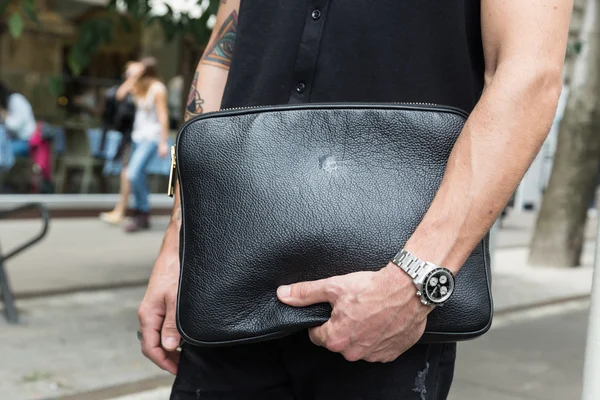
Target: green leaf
x=213, y=7
x=37, y=91
x=126, y=24
x=3, y=5
x=29, y=8
x=149, y=20
x=15, y=25
x=76, y=61
x=56, y=85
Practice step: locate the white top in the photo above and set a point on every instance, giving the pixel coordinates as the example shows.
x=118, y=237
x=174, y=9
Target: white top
x=20, y=122
x=146, y=126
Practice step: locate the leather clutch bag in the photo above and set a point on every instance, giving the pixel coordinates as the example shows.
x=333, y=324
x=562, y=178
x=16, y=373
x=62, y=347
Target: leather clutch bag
x=281, y=194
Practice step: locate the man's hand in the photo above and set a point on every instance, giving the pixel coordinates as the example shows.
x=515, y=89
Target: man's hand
x=376, y=316
x=160, y=338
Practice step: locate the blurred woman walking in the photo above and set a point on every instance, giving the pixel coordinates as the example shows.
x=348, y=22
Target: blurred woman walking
x=119, y=116
x=149, y=135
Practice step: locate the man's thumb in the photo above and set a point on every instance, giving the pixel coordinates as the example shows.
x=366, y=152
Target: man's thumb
x=304, y=293
x=170, y=335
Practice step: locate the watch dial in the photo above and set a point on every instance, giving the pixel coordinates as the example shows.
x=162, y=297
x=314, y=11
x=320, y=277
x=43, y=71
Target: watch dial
x=439, y=285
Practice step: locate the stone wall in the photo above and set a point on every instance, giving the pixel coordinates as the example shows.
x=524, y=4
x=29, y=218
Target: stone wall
x=26, y=63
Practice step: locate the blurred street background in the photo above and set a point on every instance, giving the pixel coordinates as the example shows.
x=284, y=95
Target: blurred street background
x=77, y=289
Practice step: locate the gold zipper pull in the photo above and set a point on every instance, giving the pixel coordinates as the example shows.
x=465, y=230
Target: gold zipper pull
x=171, y=189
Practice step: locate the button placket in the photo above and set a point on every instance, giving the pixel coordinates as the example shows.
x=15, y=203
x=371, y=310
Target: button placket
x=308, y=51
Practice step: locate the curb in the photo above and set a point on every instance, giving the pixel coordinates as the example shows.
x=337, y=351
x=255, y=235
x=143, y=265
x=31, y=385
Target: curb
x=540, y=304
x=123, y=389
x=79, y=289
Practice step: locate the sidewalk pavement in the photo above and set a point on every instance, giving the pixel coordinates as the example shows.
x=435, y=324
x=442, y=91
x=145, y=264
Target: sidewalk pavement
x=79, y=254
x=83, y=344
x=539, y=356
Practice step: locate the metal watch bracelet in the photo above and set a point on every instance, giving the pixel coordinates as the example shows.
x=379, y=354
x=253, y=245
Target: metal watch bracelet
x=409, y=263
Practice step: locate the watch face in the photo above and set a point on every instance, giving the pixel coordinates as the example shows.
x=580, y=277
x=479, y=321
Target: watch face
x=439, y=285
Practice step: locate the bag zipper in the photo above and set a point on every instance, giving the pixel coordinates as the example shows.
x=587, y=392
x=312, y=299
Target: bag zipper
x=267, y=105
x=171, y=188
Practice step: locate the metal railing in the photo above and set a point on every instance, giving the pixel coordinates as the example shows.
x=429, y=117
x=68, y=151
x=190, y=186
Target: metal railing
x=7, y=297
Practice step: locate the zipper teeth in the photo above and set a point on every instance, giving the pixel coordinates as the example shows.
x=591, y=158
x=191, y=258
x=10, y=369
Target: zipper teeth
x=268, y=105
x=464, y=113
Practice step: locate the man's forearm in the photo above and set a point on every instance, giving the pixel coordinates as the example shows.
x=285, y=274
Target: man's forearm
x=171, y=238
x=206, y=92
x=498, y=143
x=210, y=77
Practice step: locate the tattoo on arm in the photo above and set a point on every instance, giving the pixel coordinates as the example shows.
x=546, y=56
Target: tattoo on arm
x=178, y=214
x=221, y=50
x=194, y=103
x=218, y=55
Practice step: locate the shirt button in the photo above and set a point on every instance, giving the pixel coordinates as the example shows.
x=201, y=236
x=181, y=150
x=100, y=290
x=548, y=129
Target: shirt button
x=316, y=14
x=300, y=87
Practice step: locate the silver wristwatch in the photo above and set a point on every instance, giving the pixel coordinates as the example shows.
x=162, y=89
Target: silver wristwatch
x=435, y=284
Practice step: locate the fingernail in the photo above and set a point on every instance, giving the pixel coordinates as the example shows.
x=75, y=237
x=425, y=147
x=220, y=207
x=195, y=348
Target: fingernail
x=284, y=291
x=170, y=342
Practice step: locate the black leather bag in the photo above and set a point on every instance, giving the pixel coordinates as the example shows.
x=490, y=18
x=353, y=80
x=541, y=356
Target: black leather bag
x=282, y=194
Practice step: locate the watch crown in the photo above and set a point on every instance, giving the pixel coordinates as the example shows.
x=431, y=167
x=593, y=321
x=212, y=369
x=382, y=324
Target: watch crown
x=419, y=293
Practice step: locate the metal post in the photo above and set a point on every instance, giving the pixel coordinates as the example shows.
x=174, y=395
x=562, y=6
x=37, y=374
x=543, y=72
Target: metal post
x=5, y=293
x=591, y=371
x=10, y=310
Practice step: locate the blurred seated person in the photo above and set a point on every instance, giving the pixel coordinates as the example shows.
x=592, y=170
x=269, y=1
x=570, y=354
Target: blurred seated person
x=17, y=117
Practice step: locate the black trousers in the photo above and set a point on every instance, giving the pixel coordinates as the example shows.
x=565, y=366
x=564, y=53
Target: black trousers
x=293, y=368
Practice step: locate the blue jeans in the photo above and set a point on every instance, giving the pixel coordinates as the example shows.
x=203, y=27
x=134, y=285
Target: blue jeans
x=20, y=147
x=141, y=155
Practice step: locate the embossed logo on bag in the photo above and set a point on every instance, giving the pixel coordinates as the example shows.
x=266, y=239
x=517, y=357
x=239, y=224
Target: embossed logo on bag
x=328, y=163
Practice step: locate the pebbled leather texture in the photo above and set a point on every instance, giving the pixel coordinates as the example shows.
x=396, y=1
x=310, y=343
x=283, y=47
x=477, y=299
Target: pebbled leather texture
x=283, y=194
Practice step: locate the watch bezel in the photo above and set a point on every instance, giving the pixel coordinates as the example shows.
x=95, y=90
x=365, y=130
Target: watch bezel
x=425, y=288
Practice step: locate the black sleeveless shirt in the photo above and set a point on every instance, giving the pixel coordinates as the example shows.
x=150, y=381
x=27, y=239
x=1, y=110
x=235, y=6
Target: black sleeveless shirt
x=298, y=51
